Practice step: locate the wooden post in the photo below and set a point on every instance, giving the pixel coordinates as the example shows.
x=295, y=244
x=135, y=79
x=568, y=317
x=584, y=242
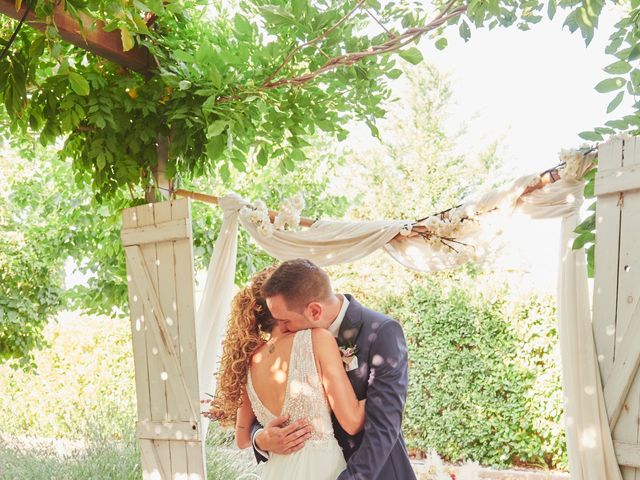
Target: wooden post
x=157, y=240
x=616, y=303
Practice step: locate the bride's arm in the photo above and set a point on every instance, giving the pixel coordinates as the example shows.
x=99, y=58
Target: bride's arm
x=244, y=421
x=342, y=399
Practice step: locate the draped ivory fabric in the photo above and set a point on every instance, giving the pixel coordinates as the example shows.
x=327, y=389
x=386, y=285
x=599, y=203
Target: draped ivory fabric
x=215, y=304
x=589, y=442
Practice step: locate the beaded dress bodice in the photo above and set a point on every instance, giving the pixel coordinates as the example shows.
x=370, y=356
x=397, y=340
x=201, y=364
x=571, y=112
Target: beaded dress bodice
x=304, y=394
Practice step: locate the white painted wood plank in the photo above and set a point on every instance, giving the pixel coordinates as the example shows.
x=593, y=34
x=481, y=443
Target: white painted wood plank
x=628, y=454
x=183, y=253
x=153, y=468
x=157, y=386
x=162, y=231
x=177, y=400
x=606, y=260
x=175, y=430
x=196, y=460
x=626, y=429
x=613, y=180
x=136, y=314
x=183, y=250
x=167, y=298
x=625, y=370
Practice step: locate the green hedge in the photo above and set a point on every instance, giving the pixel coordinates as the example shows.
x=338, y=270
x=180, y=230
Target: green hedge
x=484, y=374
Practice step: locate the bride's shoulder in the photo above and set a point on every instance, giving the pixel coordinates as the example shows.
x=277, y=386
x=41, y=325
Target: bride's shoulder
x=322, y=336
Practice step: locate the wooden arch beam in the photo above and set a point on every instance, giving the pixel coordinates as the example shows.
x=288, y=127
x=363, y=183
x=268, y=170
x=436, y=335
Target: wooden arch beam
x=88, y=35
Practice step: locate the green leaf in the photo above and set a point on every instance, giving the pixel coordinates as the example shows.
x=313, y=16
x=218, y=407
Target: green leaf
x=412, y=55
x=587, y=225
x=215, y=76
x=590, y=136
x=79, y=84
x=613, y=46
x=262, y=157
x=127, y=39
x=589, y=190
x=100, y=162
x=571, y=21
x=465, y=31
x=242, y=25
x=205, y=53
x=618, y=124
x=591, y=261
x=583, y=239
x=224, y=172
x=395, y=73
x=37, y=47
x=634, y=54
x=441, y=43
x=215, y=147
x=297, y=155
x=618, y=68
x=615, y=102
x=374, y=129
x=551, y=9
x=604, y=130
x=288, y=164
x=183, y=56
x=216, y=128
x=610, y=84
x=277, y=16
x=239, y=164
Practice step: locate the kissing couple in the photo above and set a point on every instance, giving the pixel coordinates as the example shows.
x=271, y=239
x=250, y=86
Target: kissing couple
x=314, y=382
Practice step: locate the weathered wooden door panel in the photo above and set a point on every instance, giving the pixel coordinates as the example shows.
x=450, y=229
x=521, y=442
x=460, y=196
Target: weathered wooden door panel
x=616, y=311
x=158, y=248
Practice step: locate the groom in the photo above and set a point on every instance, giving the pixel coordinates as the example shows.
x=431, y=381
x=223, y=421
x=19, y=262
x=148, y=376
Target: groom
x=299, y=296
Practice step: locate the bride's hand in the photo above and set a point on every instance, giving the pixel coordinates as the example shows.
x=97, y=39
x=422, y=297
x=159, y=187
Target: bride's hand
x=276, y=438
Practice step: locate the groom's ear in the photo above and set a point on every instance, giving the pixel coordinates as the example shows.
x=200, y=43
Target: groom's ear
x=315, y=310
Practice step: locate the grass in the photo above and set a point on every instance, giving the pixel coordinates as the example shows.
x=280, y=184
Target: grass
x=102, y=458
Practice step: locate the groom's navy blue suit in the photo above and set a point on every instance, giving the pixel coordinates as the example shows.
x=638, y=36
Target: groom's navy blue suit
x=378, y=452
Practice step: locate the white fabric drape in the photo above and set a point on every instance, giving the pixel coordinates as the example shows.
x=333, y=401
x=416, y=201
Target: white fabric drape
x=590, y=446
x=215, y=304
x=327, y=242
x=589, y=442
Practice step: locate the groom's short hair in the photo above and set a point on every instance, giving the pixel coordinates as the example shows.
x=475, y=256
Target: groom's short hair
x=300, y=282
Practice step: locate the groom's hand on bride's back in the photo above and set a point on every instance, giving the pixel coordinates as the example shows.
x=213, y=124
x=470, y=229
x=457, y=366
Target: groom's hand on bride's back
x=282, y=440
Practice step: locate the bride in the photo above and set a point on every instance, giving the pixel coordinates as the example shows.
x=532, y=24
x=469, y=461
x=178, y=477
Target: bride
x=267, y=373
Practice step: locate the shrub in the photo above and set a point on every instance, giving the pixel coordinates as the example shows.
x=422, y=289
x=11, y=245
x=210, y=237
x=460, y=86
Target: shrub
x=484, y=374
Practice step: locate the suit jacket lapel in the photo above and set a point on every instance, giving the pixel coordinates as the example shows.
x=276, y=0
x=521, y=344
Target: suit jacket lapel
x=351, y=324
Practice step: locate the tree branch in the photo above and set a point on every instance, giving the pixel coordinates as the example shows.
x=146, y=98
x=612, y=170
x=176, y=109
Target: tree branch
x=311, y=42
x=348, y=59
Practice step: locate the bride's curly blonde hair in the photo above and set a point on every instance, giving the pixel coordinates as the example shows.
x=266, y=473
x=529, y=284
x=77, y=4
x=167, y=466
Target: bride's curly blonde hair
x=249, y=328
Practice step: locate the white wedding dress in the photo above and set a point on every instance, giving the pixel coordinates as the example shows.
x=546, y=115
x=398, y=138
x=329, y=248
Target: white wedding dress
x=321, y=457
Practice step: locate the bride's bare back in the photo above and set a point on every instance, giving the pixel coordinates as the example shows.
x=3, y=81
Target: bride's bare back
x=270, y=372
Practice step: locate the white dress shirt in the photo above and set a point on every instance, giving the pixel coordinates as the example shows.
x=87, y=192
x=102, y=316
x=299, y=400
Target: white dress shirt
x=334, y=328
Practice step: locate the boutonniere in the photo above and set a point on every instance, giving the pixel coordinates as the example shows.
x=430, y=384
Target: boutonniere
x=349, y=357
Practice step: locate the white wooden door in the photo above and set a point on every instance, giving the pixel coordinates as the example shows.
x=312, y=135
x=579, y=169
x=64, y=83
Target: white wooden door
x=616, y=302
x=158, y=245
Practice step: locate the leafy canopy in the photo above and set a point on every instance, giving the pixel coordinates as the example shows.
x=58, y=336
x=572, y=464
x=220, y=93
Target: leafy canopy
x=222, y=92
